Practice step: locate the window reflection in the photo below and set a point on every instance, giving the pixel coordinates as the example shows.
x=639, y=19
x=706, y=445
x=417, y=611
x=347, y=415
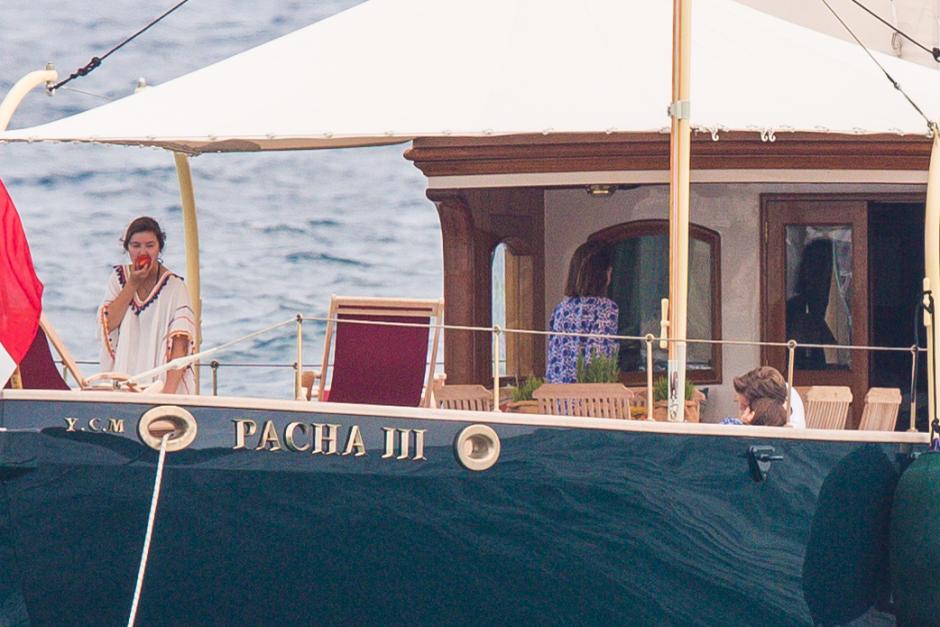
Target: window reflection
x=819, y=294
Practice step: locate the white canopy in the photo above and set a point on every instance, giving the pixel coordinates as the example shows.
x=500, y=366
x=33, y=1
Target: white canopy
x=388, y=71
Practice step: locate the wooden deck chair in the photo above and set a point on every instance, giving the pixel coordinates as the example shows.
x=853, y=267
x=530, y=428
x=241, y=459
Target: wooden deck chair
x=467, y=397
x=587, y=400
x=827, y=406
x=881, y=409
x=377, y=363
x=38, y=370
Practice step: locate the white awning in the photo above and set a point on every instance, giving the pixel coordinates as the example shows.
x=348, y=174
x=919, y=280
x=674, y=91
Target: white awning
x=388, y=71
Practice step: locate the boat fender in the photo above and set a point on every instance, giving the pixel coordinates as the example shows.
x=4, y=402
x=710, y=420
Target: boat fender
x=915, y=543
x=164, y=419
x=845, y=567
x=477, y=447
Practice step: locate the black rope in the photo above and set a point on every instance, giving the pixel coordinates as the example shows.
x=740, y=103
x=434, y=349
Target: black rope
x=96, y=61
x=934, y=52
x=897, y=85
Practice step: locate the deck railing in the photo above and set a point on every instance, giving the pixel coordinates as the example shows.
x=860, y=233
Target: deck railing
x=497, y=334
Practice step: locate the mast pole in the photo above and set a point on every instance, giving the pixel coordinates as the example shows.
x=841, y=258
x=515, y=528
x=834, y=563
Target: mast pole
x=932, y=270
x=191, y=242
x=679, y=150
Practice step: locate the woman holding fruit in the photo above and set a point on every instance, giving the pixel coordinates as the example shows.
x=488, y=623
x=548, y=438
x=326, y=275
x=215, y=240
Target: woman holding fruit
x=146, y=318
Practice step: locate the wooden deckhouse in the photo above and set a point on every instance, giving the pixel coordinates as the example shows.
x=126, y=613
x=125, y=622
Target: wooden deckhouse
x=533, y=193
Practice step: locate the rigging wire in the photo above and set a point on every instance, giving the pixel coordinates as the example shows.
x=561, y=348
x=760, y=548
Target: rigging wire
x=934, y=52
x=930, y=124
x=88, y=93
x=96, y=61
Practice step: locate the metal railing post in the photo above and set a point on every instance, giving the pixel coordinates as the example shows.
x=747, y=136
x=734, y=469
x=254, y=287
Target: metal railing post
x=913, y=425
x=215, y=377
x=496, y=332
x=649, y=376
x=298, y=367
x=791, y=353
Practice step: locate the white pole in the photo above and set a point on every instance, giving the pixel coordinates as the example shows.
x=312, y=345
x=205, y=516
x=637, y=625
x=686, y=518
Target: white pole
x=679, y=150
x=19, y=90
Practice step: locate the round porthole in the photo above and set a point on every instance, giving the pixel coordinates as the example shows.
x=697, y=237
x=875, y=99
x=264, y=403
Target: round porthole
x=167, y=419
x=477, y=447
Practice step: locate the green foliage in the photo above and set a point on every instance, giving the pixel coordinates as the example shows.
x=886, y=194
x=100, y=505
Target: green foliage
x=524, y=392
x=600, y=368
x=661, y=389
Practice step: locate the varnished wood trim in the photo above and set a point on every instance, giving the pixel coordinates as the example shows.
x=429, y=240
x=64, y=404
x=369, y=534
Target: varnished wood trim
x=637, y=228
x=599, y=152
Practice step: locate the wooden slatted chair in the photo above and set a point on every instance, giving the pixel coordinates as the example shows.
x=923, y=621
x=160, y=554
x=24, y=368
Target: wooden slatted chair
x=379, y=364
x=466, y=397
x=586, y=400
x=827, y=406
x=881, y=409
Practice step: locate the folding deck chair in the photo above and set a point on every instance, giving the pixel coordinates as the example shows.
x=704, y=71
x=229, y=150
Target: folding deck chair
x=827, y=406
x=881, y=409
x=380, y=364
x=37, y=370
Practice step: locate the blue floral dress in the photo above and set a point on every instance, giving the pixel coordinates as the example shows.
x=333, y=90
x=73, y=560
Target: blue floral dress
x=579, y=314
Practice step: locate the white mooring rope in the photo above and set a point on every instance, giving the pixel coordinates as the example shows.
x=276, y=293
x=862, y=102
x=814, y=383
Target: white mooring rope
x=153, y=514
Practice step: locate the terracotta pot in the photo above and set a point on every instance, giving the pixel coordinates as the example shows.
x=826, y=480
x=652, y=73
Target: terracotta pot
x=691, y=411
x=523, y=407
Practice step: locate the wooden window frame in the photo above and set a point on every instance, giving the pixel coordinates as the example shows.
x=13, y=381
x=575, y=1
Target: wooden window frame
x=639, y=228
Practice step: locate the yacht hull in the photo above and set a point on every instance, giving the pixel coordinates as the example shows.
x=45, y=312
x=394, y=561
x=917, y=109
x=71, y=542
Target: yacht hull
x=572, y=525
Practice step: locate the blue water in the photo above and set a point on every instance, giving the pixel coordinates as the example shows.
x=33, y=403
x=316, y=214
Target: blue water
x=280, y=232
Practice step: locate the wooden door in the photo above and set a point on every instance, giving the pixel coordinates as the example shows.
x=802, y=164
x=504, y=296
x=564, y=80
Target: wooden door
x=815, y=290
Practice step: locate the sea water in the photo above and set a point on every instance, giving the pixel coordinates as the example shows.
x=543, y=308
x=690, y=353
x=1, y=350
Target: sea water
x=279, y=232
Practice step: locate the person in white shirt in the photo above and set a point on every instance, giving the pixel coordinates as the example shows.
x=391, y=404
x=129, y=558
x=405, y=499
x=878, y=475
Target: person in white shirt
x=146, y=317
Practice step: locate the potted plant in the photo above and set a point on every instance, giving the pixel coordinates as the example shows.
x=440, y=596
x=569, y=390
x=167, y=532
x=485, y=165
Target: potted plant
x=600, y=369
x=522, y=401
x=661, y=397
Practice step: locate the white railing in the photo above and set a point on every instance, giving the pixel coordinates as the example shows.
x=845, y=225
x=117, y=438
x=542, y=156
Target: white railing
x=496, y=333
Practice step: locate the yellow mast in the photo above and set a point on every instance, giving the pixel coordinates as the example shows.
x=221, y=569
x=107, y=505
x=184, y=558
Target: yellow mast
x=932, y=267
x=679, y=150
x=191, y=241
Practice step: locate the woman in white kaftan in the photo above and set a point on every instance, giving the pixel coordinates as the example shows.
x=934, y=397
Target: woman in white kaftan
x=146, y=318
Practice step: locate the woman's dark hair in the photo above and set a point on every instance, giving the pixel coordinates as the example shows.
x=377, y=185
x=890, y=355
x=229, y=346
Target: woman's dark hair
x=141, y=225
x=768, y=413
x=592, y=275
x=577, y=260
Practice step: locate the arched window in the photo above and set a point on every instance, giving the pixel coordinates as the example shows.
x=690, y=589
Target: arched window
x=640, y=281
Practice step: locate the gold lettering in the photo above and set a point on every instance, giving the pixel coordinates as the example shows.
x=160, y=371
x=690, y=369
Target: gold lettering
x=268, y=436
x=243, y=428
x=115, y=425
x=404, y=442
x=389, y=442
x=331, y=437
x=419, y=444
x=354, y=441
x=70, y=424
x=289, y=436
x=94, y=424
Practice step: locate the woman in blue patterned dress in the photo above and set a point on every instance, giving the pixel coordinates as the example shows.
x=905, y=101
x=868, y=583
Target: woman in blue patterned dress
x=585, y=309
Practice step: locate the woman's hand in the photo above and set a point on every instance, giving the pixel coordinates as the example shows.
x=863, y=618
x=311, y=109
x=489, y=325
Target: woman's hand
x=747, y=415
x=136, y=276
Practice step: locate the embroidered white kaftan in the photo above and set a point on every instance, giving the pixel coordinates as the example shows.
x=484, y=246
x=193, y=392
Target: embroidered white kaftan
x=145, y=336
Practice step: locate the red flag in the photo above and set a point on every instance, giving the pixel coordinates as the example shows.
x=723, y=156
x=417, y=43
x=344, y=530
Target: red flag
x=20, y=290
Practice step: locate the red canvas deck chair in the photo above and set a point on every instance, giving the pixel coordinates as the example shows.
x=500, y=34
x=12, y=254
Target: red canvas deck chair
x=38, y=370
x=380, y=364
